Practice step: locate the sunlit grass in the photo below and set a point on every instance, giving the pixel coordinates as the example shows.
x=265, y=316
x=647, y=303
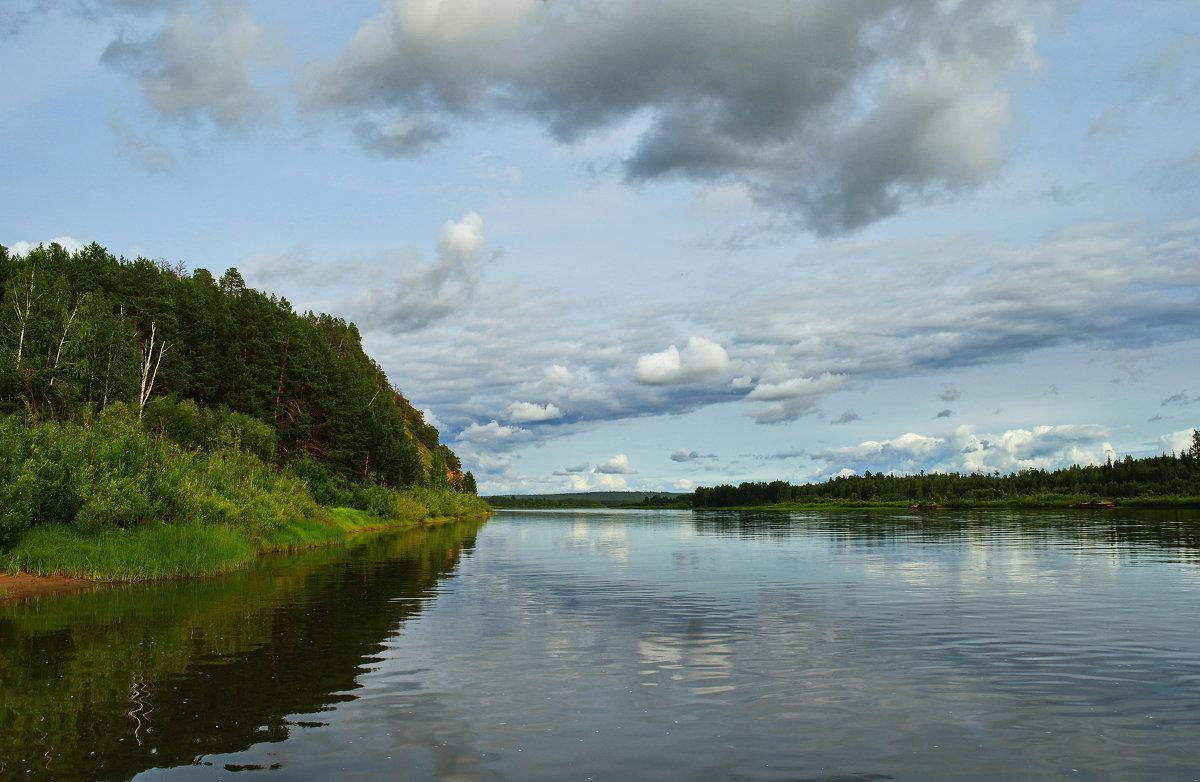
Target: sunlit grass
x=188, y=550
x=152, y=552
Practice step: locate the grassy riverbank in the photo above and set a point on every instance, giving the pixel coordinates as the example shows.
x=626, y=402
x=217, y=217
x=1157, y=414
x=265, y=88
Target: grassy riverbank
x=111, y=500
x=192, y=550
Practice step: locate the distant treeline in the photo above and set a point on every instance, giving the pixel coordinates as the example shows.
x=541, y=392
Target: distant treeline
x=1158, y=479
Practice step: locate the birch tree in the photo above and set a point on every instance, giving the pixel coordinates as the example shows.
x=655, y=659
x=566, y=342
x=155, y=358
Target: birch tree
x=150, y=364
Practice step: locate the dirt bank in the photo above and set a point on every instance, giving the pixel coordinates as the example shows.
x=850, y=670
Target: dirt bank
x=12, y=587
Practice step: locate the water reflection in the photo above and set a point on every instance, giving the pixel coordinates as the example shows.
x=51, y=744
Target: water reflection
x=107, y=684
x=667, y=645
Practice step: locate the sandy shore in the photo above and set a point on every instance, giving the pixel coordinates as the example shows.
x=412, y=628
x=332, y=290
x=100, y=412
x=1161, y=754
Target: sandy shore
x=12, y=587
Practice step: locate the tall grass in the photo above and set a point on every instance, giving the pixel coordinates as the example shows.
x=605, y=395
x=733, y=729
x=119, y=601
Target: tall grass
x=151, y=552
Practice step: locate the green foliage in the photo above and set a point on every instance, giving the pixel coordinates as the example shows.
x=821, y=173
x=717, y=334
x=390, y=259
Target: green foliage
x=115, y=474
x=199, y=428
x=443, y=503
x=75, y=329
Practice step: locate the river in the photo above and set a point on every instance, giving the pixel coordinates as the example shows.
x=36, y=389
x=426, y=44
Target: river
x=637, y=645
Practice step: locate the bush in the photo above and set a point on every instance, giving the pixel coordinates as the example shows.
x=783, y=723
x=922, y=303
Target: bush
x=114, y=474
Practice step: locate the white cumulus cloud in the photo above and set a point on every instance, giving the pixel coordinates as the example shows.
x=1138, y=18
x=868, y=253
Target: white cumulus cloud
x=524, y=412
x=1176, y=442
x=618, y=465
x=700, y=358
x=68, y=243
x=493, y=432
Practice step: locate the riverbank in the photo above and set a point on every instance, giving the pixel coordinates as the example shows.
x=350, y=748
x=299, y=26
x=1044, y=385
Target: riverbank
x=57, y=558
x=25, y=585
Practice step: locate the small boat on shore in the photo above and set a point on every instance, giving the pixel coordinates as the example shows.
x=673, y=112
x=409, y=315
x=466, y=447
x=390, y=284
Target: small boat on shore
x=1096, y=505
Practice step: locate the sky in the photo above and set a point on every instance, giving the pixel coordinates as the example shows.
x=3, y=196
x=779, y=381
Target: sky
x=660, y=244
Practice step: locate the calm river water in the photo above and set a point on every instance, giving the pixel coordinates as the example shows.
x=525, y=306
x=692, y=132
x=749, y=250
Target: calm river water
x=637, y=645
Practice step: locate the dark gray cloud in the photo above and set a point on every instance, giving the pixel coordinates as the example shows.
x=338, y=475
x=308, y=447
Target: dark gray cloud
x=834, y=114
x=783, y=455
x=684, y=455
x=847, y=417
x=949, y=394
x=944, y=413
x=1181, y=398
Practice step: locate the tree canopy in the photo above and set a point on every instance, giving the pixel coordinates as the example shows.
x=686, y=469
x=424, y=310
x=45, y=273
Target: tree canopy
x=80, y=331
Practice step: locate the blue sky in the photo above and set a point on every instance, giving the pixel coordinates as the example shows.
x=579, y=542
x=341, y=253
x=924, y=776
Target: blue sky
x=654, y=245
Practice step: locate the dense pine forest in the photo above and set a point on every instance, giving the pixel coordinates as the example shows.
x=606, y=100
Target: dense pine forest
x=135, y=392
x=1158, y=480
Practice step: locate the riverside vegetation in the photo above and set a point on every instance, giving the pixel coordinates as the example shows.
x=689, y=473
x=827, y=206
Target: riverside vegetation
x=155, y=423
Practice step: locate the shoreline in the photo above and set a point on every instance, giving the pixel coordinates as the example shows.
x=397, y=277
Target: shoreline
x=15, y=586
x=21, y=585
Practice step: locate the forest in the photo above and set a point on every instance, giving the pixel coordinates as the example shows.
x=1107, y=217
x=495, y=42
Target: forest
x=1157, y=480
x=134, y=393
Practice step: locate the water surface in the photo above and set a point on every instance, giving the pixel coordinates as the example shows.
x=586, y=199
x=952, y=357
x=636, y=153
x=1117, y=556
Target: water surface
x=647, y=645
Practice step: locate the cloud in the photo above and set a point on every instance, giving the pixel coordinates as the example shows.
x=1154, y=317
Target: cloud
x=833, y=114
x=1043, y=447
x=524, y=412
x=495, y=466
x=402, y=137
x=559, y=375
x=784, y=455
x=493, y=433
x=618, y=465
x=699, y=359
x=944, y=413
x=432, y=419
x=578, y=483
x=949, y=394
x=68, y=243
x=797, y=387
x=795, y=397
x=204, y=65
x=684, y=455
x=572, y=470
x=609, y=482
x=145, y=153
x=847, y=417
x=416, y=296
x=1181, y=398
x=1176, y=442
